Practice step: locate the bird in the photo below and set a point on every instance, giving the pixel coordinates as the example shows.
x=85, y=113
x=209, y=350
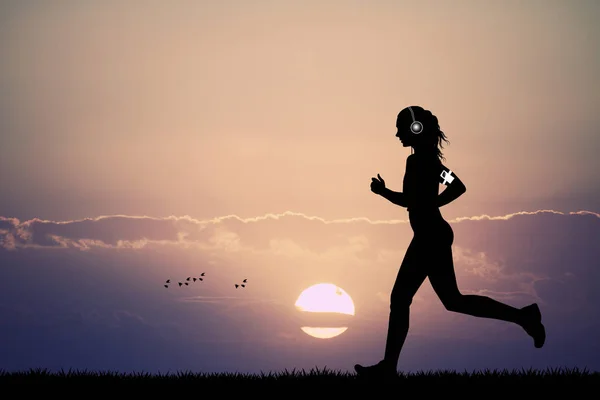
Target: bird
x=180, y=284
x=245, y=280
x=201, y=279
x=168, y=281
x=202, y=274
x=188, y=278
x=243, y=285
x=186, y=284
x=195, y=279
x=236, y=285
x=166, y=286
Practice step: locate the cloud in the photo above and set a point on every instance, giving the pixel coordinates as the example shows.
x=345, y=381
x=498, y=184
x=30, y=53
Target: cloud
x=117, y=230
x=97, y=283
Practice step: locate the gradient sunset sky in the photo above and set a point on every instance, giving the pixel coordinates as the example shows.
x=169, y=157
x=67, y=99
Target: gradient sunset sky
x=147, y=140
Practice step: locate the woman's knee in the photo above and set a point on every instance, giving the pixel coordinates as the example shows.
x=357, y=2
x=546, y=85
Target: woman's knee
x=453, y=302
x=400, y=301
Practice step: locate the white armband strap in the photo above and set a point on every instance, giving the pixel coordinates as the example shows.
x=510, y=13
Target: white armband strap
x=447, y=177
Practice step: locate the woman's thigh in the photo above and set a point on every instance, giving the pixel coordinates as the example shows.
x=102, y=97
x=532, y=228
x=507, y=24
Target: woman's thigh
x=411, y=275
x=442, y=276
x=429, y=252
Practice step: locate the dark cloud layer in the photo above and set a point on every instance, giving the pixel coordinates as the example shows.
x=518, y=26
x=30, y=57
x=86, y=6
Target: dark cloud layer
x=88, y=294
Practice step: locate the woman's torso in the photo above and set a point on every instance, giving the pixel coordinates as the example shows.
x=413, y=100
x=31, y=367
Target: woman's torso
x=421, y=183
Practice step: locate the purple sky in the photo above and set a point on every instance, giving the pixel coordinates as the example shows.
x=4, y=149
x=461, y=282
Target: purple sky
x=89, y=294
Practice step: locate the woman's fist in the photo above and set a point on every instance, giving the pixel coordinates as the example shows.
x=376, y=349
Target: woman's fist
x=377, y=185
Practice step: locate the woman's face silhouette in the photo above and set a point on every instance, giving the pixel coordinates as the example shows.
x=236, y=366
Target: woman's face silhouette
x=407, y=138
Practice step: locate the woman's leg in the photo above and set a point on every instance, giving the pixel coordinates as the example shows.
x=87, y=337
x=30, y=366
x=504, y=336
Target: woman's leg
x=411, y=275
x=443, y=280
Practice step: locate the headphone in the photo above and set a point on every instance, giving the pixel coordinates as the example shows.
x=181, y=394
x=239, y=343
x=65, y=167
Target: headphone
x=416, y=127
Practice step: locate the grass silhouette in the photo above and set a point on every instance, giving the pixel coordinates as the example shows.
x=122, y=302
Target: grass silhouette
x=315, y=378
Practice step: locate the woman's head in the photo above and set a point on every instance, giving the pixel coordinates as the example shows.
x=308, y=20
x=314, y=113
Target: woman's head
x=429, y=138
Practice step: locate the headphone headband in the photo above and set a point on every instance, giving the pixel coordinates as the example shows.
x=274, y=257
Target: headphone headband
x=412, y=113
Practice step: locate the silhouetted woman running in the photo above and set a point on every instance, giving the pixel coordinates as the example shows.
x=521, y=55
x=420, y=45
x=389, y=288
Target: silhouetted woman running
x=430, y=251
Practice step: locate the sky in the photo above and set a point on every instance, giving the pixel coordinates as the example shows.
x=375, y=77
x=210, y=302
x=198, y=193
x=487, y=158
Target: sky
x=148, y=140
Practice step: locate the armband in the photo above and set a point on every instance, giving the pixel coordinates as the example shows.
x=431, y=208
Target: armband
x=446, y=177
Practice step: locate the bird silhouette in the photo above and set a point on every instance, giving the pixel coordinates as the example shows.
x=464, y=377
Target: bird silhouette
x=166, y=286
x=243, y=285
x=180, y=284
x=236, y=285
x=188, y=278
x=201, y=279
x=186, y=284
x=202, y=274
x=195, y=279
x=245, y=280
x=168, y=281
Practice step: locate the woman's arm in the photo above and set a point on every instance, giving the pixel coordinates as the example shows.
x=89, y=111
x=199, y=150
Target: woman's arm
x=454, y=187
x=398, y=198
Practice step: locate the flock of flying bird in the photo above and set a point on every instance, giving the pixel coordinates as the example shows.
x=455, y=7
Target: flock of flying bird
x=200, y=278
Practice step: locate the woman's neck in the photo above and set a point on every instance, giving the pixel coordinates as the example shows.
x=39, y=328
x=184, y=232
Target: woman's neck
x=426, y=150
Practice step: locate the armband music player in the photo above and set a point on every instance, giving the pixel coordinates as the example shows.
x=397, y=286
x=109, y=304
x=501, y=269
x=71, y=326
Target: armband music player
x=447, y=177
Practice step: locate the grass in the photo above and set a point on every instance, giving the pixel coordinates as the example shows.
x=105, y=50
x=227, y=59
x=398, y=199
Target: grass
x=497, y=380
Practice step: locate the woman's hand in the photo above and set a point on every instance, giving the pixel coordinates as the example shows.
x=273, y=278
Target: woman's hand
x=377, y=185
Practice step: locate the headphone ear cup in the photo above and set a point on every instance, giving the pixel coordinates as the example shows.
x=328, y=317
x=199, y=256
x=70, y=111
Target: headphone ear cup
x=416, y=127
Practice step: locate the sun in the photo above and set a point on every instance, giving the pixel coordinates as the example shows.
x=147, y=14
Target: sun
x=329, y=299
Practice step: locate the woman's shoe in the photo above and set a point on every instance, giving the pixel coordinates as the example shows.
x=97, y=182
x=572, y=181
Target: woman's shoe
x=379, y=370
x=532, y=324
